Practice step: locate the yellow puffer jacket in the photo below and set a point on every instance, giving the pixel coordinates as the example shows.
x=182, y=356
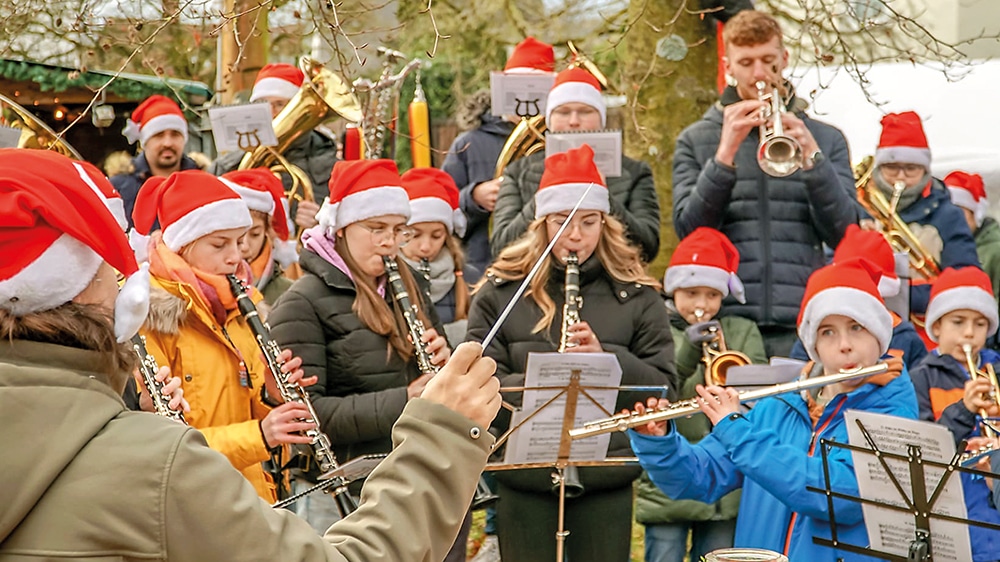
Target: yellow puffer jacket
x=182, y=333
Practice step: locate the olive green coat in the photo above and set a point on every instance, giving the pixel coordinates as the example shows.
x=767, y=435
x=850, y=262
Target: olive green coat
x=988, y=250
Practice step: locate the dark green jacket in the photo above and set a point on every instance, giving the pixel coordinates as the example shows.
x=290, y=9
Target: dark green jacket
x=988, y=250
x=652, y=506
x=276, y=286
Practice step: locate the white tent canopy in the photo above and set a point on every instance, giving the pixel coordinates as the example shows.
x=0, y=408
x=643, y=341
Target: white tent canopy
x=960, y=114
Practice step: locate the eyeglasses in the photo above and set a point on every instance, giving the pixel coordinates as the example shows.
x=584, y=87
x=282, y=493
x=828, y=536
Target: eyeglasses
x=908, y=169
x=400, y=235
x=581, y=112
x=586, y=224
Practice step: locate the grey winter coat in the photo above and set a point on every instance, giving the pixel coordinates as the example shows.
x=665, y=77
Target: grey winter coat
x=779, y=225
x=633, y=201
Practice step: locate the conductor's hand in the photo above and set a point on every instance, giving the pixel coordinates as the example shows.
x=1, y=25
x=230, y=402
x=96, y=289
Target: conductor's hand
x=738, y=119
x=437, y=346
x=717, y=402
x=652, y=428
x=305, y=214
x=466, y=385
x=285, y=424
x=977, y=396
x=172, y=391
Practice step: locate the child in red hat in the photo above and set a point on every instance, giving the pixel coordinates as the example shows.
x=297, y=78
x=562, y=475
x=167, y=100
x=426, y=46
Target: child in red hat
x=701, y=274
x=969, y=194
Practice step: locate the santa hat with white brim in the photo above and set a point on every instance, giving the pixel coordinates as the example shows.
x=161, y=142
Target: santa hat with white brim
x=360, y=190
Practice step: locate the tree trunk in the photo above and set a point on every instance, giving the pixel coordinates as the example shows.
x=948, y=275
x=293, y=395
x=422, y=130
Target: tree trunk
x=243, y=53
x=666, y=96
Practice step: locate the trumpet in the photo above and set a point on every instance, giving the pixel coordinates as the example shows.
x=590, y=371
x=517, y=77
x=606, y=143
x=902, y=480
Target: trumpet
x=989, y=374
x=685, y=408
x=778, y=154
x=717, y=357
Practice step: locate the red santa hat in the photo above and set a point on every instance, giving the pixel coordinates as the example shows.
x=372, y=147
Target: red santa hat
x=705, y=258
x=967, y=288
x=531, y=55
x=434, y=198
x=566, y=177
x=903, y=140
x=57, y=231
x=153, y=116
x=362, y=189
x=262, y=191
x=189, y=204
x=575, y=85
x=871, y=245
x=848, y=288
x=277, y=80
x=968, y=192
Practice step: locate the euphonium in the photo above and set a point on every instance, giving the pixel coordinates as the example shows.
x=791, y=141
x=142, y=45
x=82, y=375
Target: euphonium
x=34, y=132
x=414, y=326
x=571, y=308
x=322, y=450
x=716, y=356
x=896, y=232
x=148, y=369
x=989, y=374
x=778, y=154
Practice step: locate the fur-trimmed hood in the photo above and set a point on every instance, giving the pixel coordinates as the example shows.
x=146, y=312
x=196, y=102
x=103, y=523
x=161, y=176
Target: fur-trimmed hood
x=470, y=113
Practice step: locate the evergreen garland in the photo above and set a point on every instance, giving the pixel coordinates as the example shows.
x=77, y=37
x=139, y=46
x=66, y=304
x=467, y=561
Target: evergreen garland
x=59, y=80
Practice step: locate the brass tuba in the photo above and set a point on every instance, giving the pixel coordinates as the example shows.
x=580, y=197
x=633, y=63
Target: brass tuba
x=34, y=132
x=322, y=95
x=716, y=356
x=896, y=232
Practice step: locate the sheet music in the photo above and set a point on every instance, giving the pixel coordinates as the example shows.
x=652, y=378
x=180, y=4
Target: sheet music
x=892, y=531
x=523, y=95
x=538, y=439
x=607, y=147
x=242, y=127
x=9, y=137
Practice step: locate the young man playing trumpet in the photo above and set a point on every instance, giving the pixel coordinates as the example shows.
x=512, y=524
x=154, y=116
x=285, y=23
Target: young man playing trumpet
x=772, y=450
x=718, y=182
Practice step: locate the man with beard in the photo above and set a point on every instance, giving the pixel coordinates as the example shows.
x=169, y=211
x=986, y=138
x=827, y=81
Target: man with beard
x=161, y=129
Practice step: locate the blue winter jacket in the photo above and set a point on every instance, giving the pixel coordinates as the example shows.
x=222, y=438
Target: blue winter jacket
x=767, y=452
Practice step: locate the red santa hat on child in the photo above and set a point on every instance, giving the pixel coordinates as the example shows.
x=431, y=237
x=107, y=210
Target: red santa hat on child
x=903, y=140
x=575, y=85
x=362, y=189
x=277, y=80
x=434, y=198
x=531, y=55
x=705, y=258
x=848, y=288
x=189, y=204
x=153, y=116
x=57, y=231
x=262, y=191
x=566, y=177
x=967, y=288
x=871, y=245
x=968, y=192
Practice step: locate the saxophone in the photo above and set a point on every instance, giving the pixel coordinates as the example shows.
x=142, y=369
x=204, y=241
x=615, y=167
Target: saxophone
x=414, y=326
x=571, y=308
x=322, y=450
x=148, y=369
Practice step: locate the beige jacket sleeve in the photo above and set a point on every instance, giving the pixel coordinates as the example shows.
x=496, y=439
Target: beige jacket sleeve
x=412, y=504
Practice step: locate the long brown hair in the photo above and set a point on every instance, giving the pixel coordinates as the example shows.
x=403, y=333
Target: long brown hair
x=462, y=296
x=621, y=260
x=82, y=326
x=373, y=311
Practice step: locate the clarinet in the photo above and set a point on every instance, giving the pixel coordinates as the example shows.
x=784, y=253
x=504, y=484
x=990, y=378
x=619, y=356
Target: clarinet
x=148, y=369
x=292, y=392
x=571, y=308
x=410, y=314
x=425, y=268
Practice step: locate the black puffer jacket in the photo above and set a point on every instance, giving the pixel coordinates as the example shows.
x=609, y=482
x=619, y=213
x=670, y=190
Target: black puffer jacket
x=633, y=200
x=629, y=320
x=778, y=225
x=362, y=382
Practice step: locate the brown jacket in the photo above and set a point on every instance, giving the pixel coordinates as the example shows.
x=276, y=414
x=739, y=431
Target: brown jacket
x=86, y=479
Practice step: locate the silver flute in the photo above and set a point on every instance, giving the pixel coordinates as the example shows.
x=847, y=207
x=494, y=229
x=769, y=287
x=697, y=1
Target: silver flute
x=148, y=369
x=686, y=408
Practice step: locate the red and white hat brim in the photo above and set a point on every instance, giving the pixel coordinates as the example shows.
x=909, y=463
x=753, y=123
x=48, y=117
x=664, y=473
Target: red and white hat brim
x=961, y=298
x=363, y=205
x=53, y=279
x=903, y=154
x=579, y=92
x=964, y=199
x=255, y=200
x=860, y=305
x=224, y=214
x=273, y=88
x=160, y=123
x=561, y=198
x=114, y=204
x=435, y=209
x=694, y=275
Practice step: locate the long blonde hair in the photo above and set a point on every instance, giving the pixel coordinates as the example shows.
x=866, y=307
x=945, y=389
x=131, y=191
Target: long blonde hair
x=621, y=260
x=372, y=309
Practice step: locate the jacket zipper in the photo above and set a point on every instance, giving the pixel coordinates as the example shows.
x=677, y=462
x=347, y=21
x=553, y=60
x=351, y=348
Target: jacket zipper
x=762, y=203
x=812, y=449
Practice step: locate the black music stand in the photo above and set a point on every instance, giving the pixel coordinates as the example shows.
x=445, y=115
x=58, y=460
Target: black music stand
x=917, y=503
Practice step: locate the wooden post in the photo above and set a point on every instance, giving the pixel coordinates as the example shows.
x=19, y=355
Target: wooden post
x=243, y=52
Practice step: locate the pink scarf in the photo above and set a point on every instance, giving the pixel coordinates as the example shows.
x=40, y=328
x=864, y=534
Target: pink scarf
x=315, y=239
